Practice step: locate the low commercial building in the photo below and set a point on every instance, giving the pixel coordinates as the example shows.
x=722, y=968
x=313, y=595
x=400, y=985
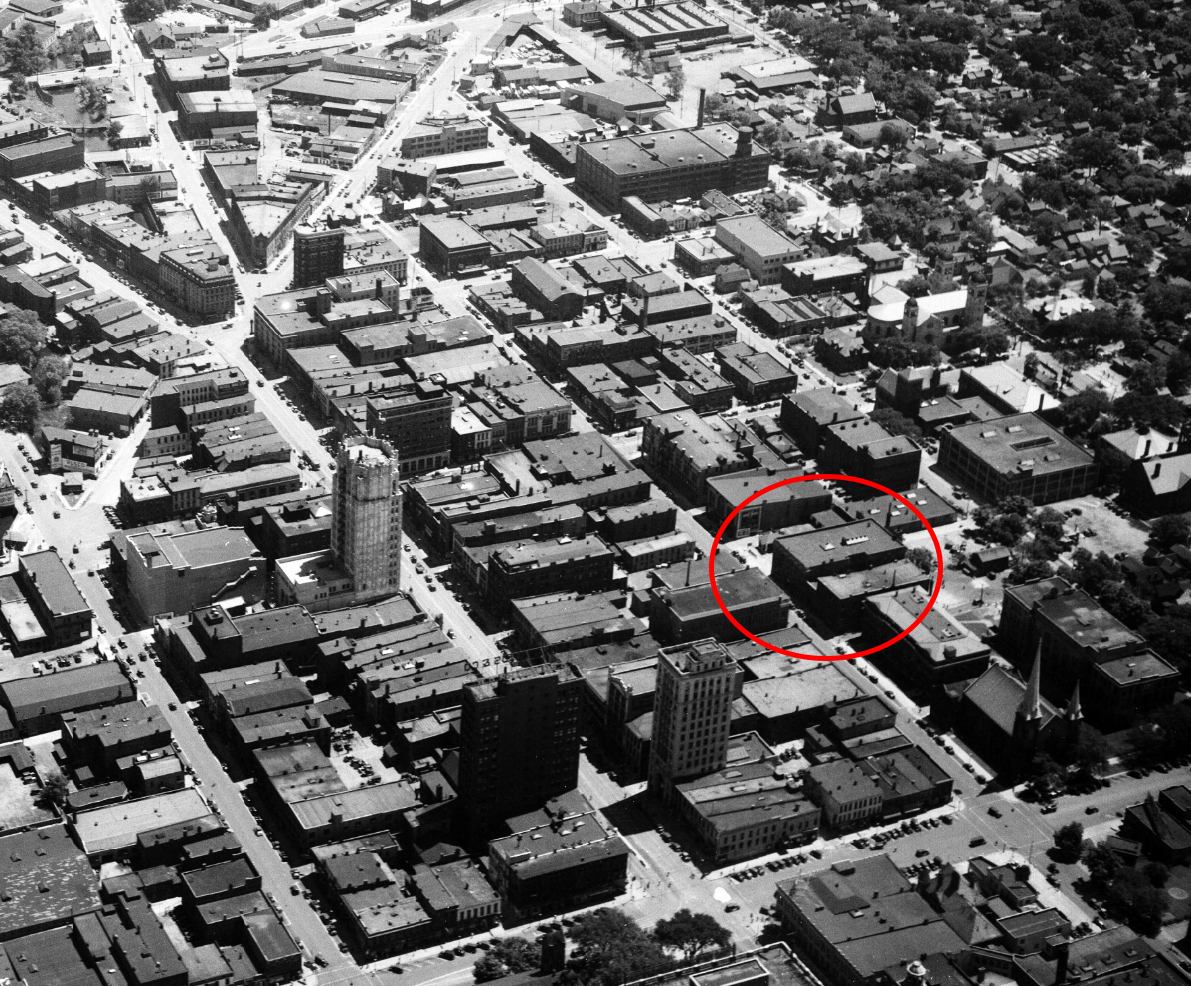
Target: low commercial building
x=201, y=112
x=178, y=572
x=433, y=136
x=112, y=832
x=747, y=810
x=794, y=503
x=557, y=865
x=531, y=569
x=938, y=651
x=1019, y=455
x=756, y=376
x=801, y=559
x=452, y=246
x=688, y=450
x=688, y=614
x=51, y=590
x=865, y=449
x=543, y=288
x=760, y=248
x=47, y=881
x=806, y=416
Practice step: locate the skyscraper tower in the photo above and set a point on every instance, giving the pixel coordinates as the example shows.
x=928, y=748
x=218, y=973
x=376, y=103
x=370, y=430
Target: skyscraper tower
x=366, y=531
x=692, y=711
x=518, y=744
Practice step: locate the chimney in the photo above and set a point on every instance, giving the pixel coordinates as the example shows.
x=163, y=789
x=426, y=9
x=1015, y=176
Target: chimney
x=702, y=101
x=1157, y=470
x=1041, y=398
x=1063, y=954
x=1146, y=451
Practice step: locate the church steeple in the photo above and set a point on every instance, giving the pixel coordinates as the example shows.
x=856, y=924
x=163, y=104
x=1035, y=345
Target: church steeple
x=1074, y=711
x=1031, y=702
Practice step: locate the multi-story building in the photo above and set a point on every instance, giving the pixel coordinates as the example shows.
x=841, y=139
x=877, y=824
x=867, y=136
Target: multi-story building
x=1084, y=645
x=518, y=744
x=432, y=136
x=364, y=560
x=671, y=164
x=417, y=425
x=806, y=415
x=201, y=112
x=800, y=559
x=865, y=449
x=557, y=859
x=451, y=245
x=1018, y=455
x=200, y=279
x=544, y=288
x=759, y=248
x=51, y=591
x=688, y=450
x=366, y=507
x=318, y=254
x=559, y=565
x=786, y=506
x=692, y=713
x=938, y=651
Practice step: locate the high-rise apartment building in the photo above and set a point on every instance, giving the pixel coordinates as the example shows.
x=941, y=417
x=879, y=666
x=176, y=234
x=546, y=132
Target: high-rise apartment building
x=518, y=744
x=692, y=713
x=366, y=509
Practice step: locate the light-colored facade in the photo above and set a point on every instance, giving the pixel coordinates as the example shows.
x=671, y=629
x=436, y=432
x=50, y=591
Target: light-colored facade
x=692, y=713
x=366, y=532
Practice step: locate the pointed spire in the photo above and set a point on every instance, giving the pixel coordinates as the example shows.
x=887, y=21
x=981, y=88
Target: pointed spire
x=1074, y=710
x=1031, y=703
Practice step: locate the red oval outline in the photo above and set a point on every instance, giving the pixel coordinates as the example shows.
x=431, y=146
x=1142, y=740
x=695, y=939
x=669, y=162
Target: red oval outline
x=934, y=596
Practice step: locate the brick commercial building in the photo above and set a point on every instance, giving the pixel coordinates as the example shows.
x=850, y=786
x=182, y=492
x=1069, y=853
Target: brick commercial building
x=865, y=449
x=807, y=415
x=51, y=591
x=671, y=164
x=451, y=245
x=416, y=424
x=1019, y=455
x=799, y=560
x=562, y=564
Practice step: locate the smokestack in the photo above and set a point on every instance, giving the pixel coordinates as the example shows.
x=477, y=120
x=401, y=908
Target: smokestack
x=702, y=102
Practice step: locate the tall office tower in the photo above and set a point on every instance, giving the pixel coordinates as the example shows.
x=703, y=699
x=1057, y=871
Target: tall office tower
x=318, y=254
x=518, y=744
x=692, y=713
x=366, y=531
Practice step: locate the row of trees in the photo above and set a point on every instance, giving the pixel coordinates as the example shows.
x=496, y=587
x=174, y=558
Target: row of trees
x=23, y=341
x=610, y=948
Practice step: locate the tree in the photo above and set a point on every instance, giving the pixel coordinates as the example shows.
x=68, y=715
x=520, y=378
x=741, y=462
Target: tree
x=1156, y=873
x=140, y=11
x=675, y=82
x=22, y=337
x=893, y=136
x=264, y=16
x=48, y=374
x=611, y=948
x=923, y=558
x=20, y=407
x=895, y=422
x=1103, y=864
x=18, y=86
x=92, y=99
x=56, y=789
x=1080, y=412
x=507, y=955
x=1137, y=901
x=115, y=128
x=24, y=52
x=1069, y=841
x=691, y=933
x=1149, y=410
x=1089, y=755
x=1170, y=530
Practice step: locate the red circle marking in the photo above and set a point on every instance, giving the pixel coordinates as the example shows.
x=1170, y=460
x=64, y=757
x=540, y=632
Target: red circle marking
x=934, y=596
